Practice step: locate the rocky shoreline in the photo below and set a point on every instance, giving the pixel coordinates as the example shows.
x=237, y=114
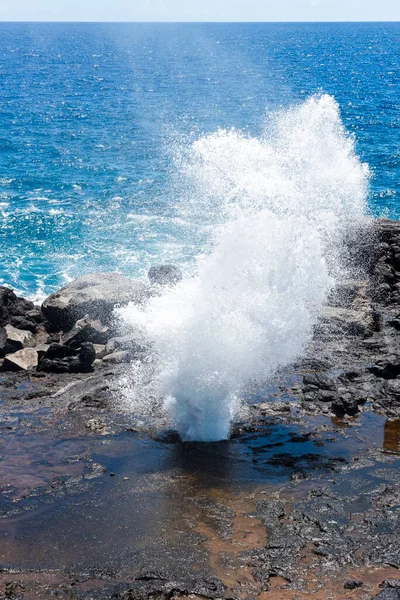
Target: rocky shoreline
x=353, y=360
x=337, y=517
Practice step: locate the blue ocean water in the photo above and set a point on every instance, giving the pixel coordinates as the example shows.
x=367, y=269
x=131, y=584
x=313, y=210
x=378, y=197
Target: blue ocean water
x=90, y=114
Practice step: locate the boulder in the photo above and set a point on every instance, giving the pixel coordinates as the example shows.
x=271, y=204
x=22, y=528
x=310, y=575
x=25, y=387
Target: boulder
x=386, y=370
x=86, y=330
x=342, y=406
x=352, y=584
x=95, y=295
x=165, y=275
x=25, y=323
x=62, y=359
x=11, y=305
x=23, y=360
x=13, y=339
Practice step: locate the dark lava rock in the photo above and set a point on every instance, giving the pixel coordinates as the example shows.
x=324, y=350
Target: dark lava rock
x=388, y=370
x=127, y=344
x=168, y=436
x=390, y=583
x=352, y=584
x=11, y=305
x=345, y=406
x=59, y=351
x=95, y=295
x=87, y=330
x=318, y=381
x=24, y=323
x=388, y=594
x=62, y=359
x=351, y=407
x=165, y=275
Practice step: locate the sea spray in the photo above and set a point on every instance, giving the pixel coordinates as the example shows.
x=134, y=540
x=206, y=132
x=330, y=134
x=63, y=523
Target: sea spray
x=278, y=208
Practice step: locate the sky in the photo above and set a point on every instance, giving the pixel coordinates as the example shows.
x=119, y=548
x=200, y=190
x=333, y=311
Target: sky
x=199, y=10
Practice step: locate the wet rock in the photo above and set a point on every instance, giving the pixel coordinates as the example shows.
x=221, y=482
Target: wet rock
x=351, y=407
x=345, y=293
x=326, y=396
x=128, y=343
x=95, y=295
x=13, y=339
x=122, y=356
x=338, y=408
x=62, y=359
x=87, y=356
x=272, y=408
x=392, y=388
x=342, y=406
x=347, y=321
x=314, y=381
x=59, y=351
x=87, y=330
x=168, y=436
x=165, y=275
x=386, y=370
x=96, y=424
x=23, y=360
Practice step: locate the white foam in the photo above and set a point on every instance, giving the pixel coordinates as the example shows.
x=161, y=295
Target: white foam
x=279, y=206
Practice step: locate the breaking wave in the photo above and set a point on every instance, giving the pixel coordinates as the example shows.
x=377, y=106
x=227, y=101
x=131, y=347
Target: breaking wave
x=278, y=207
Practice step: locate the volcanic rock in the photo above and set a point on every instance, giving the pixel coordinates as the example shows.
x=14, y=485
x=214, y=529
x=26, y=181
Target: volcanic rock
x=129, y=344
x=388, y=594
x=11, y=305
x=24, y=323
x=165, y=275
x=12, y=340
x=352, y=584
x=86, y=330
x=386, y=370
x=95, y=295
x=348, y=321
x=62, y=359
x=23, y=360
x=390, y=583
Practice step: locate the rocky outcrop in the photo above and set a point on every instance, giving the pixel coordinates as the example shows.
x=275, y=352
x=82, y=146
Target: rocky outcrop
x=12, y=306
x=95, y=295
x=75, y=326
x=353, y=360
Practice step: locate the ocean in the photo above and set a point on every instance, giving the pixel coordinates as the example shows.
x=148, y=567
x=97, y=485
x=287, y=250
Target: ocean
x=98, y=123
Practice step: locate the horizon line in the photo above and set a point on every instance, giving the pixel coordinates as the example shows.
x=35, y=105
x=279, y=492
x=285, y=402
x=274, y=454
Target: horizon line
x=195, y=22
